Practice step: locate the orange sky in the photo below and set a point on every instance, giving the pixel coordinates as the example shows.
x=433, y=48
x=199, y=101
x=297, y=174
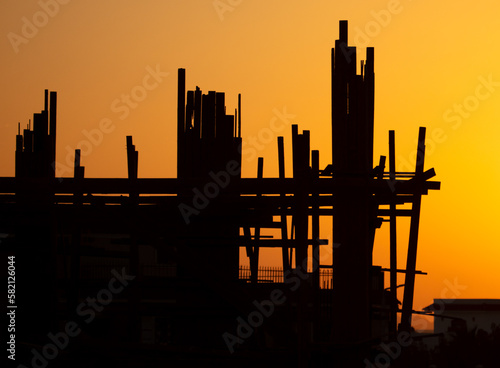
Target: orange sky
x=436, y=64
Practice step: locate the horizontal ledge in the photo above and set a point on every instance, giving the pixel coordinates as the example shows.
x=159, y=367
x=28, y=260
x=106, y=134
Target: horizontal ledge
x=404, y=271
x=236, y=186
x=241, y=241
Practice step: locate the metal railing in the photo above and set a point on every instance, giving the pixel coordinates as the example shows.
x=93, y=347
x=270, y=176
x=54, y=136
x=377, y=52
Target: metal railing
x=275, y=275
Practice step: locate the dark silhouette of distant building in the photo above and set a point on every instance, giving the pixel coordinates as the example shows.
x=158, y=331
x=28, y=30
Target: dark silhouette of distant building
x=475, y=314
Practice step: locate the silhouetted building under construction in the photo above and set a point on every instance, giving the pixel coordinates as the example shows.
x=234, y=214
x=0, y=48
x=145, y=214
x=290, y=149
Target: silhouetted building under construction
x=152, y=265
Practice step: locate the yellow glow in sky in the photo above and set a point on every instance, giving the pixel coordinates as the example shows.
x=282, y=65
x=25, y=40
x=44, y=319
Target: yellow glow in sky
x=436, y=65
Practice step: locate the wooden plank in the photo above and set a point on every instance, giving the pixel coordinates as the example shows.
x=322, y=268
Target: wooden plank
x=244, y=186
x=220, y=114
x=197, y=114
x=406, y=316
x=260, y=173
x=239, y=115
x=181, y=129
x=393, y=239
x=315, y=221
x=53, y=130
x=189, y=111
x=398, y=270
x=274, y=205
x=208, y=115
x=283, y=217
x=254, y=259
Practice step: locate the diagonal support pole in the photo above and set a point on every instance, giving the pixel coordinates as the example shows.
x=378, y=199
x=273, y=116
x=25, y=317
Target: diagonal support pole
x=412, y=244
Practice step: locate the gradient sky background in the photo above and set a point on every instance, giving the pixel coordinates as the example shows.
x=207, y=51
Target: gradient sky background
x=432, y=62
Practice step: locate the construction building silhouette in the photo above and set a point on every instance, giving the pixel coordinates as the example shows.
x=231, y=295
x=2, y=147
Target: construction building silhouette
x=187, y=300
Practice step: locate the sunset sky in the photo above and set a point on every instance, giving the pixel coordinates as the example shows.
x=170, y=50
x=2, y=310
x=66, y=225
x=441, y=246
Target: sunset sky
x=436, y=65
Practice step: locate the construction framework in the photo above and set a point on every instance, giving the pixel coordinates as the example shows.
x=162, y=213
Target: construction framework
x=202, y=236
